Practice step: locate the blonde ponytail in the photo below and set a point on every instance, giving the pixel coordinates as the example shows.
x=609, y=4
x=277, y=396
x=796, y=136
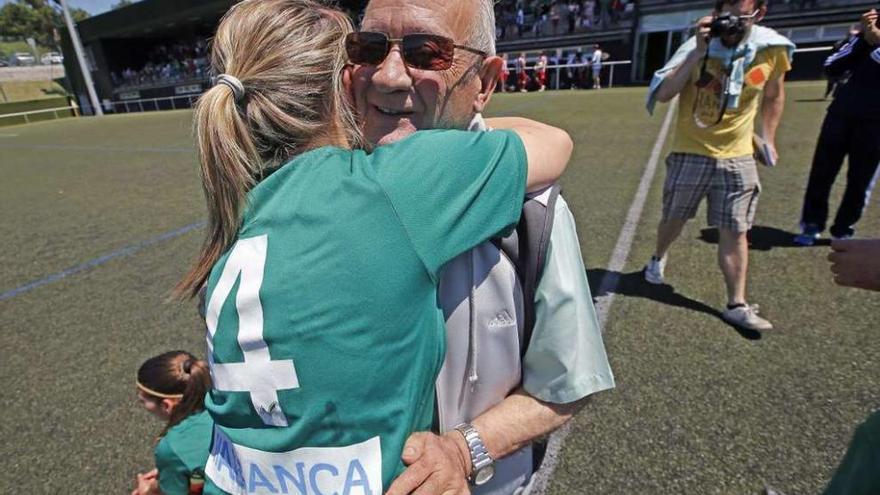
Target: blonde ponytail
x=289, y=57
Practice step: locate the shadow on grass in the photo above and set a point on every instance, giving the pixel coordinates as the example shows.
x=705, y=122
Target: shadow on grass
x=634, y=285
x=763, y=238
x=810, y=100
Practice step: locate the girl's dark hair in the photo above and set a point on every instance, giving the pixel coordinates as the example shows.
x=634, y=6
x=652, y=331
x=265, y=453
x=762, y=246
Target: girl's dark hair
x=176, y=373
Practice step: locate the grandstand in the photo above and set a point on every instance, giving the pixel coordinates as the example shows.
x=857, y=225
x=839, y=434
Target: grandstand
x=152, y=55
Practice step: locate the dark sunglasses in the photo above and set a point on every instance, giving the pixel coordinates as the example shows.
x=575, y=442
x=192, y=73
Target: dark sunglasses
x=420, y=51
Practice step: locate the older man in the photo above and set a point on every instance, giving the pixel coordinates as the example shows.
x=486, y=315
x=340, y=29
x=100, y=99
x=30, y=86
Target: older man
x=492, y=402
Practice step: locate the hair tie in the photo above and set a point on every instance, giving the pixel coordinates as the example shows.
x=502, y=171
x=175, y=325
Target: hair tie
x=234, y=84
x=156, y=393
x=187, y=366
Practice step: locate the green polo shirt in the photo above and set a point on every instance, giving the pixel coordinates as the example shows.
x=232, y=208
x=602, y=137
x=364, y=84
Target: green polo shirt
x=182, y=451
x=324, y=334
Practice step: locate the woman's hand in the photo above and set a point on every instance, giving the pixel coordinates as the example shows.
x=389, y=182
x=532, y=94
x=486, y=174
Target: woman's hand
x=147, y=484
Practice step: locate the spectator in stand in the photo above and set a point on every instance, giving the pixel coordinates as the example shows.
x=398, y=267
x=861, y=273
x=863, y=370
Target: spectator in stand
x=573, y=12
x=604, y=13
x=544, y=15
x=555, y=17
x=520, y=21
x=589, y=13
x=851, y=128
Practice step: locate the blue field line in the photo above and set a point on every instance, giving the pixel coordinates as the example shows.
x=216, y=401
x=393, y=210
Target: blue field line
x=126, y=251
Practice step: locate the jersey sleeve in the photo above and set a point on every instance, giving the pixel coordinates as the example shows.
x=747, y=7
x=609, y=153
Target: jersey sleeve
x=780, y=62
x=566, y=359
x=452, y=190
x=173, y=473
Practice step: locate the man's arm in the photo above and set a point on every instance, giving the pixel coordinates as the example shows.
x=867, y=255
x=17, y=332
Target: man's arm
x=859, y=46
x=846, y=58
x=679, y=77
x=772, y=108
x=519, y=420
x=566, y=332
x=441, y=464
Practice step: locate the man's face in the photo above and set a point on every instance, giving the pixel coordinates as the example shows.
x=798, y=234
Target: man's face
x=741, y=8
x=395, y=100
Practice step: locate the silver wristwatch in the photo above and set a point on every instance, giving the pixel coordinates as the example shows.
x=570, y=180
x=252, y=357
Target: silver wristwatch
x=483, y=466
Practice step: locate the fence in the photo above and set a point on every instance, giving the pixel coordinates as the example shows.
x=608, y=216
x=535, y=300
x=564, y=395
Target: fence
x=555, y=71
x=30, y=116
x=186, y=101
x=153, y=104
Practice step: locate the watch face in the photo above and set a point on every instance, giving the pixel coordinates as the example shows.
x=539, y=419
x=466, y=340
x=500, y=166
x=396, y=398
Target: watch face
x=484, y=475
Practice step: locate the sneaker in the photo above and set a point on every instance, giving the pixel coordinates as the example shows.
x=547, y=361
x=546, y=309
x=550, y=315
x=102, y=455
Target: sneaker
x=844, y=234
x=808, y=236
x=654, y=271
x=746, y=317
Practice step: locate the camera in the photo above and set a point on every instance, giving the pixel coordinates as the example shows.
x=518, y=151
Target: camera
x=727, y=25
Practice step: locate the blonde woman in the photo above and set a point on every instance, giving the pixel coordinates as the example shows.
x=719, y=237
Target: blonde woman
x=322, y=260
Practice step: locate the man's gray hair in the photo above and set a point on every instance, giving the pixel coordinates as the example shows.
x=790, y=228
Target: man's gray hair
x=482, y=35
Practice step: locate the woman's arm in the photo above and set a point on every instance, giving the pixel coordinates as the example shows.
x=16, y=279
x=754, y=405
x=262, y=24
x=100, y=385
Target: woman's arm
x=548, y=149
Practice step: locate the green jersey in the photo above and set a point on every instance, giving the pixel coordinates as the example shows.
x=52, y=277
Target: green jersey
x=182, y=452
x=324, y=333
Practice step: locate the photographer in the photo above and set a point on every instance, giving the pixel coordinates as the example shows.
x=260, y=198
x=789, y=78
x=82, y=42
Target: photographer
x=851, y=128
x=722, y=75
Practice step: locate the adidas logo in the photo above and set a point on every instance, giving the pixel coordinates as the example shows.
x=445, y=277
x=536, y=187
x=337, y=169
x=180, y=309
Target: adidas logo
x=501, y=320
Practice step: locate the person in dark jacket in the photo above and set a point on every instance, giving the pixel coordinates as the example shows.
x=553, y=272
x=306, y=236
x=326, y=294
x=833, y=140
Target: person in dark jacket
x=851, y=128
x=836, y=82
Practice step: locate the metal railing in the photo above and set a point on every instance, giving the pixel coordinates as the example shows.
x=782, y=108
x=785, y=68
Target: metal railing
x=154, y=104
x=73, y=110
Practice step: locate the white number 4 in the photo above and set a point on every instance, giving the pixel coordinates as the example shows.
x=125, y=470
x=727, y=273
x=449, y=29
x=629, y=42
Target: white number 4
x=258, y=374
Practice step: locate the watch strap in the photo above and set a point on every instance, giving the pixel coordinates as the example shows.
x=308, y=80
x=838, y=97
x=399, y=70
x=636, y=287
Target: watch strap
x=480, y=457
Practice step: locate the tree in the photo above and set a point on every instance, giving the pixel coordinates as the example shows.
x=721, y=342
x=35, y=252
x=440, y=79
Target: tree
x=120, y=4
x=36, y=19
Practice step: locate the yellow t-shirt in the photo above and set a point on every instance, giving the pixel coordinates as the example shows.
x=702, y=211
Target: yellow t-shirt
x=732, y=137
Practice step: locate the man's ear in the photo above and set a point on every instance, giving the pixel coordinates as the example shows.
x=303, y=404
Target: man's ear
x=762, y=12
x=490, y=71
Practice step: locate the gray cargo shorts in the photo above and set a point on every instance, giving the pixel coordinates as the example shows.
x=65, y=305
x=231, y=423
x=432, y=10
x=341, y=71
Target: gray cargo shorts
x=731, y=185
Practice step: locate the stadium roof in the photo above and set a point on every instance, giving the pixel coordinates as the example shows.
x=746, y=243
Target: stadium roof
x=150, y=18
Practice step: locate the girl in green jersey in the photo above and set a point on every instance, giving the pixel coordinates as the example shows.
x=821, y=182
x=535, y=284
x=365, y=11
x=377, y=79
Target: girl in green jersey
x=172, y=386
x=322, y=259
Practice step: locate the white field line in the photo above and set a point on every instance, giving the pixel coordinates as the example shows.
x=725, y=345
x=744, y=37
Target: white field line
x=607, y=287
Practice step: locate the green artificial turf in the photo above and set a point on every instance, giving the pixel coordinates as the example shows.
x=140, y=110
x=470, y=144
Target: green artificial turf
x=699, y=407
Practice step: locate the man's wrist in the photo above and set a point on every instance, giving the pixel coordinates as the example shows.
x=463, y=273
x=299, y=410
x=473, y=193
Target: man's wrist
x=463, y=450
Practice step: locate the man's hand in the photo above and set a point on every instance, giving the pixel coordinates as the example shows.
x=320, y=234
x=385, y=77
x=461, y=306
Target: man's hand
x=774, y=155
x=147, y=484
x=869, y=27
x=702, y=34
x=436, y=465
x=856, y=263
